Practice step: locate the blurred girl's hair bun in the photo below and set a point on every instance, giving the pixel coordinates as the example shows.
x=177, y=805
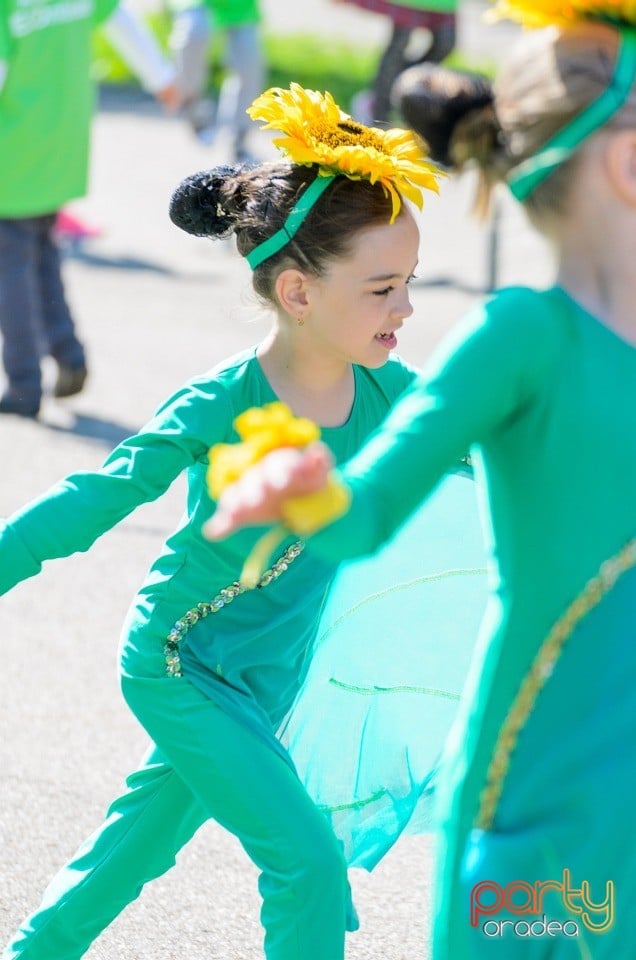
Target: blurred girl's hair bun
x=435, y=101
x=198, y=205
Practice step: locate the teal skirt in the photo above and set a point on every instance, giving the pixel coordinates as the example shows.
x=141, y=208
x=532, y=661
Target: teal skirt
x=385, y=678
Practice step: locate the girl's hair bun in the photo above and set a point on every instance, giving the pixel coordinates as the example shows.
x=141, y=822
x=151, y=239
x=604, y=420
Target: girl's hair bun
x=433, y=100
x=198, y=206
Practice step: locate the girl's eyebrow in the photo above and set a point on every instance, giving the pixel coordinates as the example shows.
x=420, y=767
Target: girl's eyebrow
x=389, y=276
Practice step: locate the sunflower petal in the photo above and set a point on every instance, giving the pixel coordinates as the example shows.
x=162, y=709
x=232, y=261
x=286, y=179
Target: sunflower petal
x=316, y=131
x=543, y=13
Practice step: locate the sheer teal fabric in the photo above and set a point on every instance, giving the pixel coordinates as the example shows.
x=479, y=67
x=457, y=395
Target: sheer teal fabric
x=385, y=678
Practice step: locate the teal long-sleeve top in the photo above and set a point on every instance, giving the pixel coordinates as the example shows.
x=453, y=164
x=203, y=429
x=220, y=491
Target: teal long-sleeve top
x=545, y=397
x=249, y=656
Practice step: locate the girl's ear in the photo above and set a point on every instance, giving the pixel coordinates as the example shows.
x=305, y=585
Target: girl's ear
x=621, y=164
x=291, y=291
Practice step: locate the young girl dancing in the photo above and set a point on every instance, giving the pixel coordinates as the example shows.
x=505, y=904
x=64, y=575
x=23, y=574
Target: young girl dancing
x=209, y=670
x=536, y=857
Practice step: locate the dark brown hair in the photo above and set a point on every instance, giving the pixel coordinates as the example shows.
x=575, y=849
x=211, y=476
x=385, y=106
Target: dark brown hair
x=253, y=202
x=550, y=77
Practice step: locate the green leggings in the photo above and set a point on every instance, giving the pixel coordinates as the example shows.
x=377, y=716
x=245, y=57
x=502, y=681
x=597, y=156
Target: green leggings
x=205, y=765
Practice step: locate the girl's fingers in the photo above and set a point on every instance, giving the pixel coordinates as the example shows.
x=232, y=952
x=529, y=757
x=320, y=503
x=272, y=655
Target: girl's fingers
x=257, y=497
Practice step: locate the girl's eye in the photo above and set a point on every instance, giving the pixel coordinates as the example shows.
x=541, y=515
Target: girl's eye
x=383, y=293
x=387, y=290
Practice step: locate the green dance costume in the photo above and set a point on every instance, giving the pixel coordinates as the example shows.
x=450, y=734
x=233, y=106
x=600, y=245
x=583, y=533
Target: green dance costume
x=540, y=769
x=210, y=686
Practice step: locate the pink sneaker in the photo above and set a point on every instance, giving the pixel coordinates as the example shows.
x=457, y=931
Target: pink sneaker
x=70, y=227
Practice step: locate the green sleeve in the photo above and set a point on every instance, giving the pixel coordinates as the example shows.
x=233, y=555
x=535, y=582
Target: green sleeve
x=103, y=10
x=483, y=377
x=5, y=38
x=77, y=510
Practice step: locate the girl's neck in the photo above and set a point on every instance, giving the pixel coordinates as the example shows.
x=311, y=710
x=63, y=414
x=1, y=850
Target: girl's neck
x=596, y=267
x=314, y=384
x=596, y=243
x=604, y=285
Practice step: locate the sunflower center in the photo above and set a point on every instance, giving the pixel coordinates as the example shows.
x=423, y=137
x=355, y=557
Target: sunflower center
x=347, y=134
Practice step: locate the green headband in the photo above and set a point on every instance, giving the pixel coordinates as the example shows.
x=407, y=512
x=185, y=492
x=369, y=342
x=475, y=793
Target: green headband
x=533, y=171
x=292, y=224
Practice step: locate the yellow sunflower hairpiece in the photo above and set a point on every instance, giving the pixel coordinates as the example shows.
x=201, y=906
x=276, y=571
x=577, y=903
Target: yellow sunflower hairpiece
x=527, y=176
x=543, y=13
x=317, y=131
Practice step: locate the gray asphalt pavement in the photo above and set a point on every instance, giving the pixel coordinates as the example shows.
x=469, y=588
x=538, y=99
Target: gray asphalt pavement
x=154, y=308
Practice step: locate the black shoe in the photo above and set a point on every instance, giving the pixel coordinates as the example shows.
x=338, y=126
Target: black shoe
x=9, y=403
x=70, y=380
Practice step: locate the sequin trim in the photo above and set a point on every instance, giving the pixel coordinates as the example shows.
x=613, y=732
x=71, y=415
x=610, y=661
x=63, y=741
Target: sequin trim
x=223, y=597
x=540, y=672
x=400, y=688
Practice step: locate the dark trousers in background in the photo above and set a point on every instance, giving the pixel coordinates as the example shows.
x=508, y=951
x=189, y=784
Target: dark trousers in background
x=35, y=320
x=395, y=60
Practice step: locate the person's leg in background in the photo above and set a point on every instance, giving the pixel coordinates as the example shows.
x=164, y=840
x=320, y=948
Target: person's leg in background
x=398, y=57
x=58, y=328
x=19, y=314
x=190, y=46
x=143, y=831
x=391, y=65
x=444, y=40
x=245, y=81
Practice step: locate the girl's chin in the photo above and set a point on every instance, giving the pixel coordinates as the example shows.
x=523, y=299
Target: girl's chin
x=389, y=343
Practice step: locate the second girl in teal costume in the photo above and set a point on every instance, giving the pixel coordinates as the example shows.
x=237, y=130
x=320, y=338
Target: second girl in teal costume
x=537, y=856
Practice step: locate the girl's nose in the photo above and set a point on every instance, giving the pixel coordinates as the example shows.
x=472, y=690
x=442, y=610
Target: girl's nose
x=403, y=307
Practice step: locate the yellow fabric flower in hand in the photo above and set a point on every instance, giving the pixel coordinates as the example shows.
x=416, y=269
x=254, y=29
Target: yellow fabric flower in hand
x=263, y=430
x=304, y=515
x=317, y=131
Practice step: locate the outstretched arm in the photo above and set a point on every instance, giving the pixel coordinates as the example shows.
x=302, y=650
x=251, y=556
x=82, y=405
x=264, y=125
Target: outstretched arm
x=76, y=511
x=134, y=42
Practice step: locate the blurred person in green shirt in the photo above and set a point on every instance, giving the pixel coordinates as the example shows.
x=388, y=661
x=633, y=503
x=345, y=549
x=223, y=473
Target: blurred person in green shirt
x=46, y=105
x=194, y=23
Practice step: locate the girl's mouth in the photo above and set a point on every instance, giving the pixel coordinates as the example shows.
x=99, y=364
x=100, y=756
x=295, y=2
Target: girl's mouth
x=388, y=340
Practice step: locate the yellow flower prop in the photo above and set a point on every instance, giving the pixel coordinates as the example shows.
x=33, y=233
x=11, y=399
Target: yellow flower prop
x=317, y=131
x=543, y=13
x=262, y=430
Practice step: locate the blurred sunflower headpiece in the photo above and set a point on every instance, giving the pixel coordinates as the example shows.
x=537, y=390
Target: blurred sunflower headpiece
x=563, y=13
x=621, y=14
x=317, y=132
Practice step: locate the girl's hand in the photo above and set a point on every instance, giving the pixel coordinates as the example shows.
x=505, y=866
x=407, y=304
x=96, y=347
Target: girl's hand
x=257, y=497
x=170, y=97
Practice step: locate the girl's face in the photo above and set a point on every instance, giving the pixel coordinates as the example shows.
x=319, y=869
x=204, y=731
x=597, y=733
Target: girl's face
x=357, y=307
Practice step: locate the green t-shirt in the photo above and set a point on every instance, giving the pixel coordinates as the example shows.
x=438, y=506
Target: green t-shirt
x=224, y=13
x=438, y=6
x=46, y=102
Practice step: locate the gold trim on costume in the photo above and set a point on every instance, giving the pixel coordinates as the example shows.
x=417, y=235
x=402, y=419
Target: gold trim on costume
x=540, y=671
